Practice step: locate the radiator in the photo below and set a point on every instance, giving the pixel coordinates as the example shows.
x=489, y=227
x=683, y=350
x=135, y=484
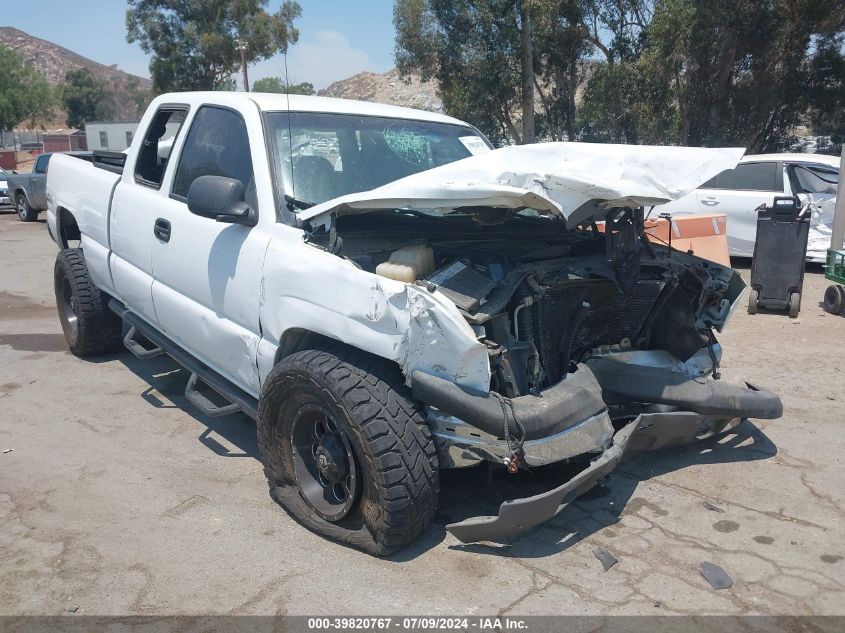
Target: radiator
x=612, y=316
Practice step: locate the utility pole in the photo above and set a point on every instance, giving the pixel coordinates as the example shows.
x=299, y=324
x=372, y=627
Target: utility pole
x=838, y=236
x=242, y=49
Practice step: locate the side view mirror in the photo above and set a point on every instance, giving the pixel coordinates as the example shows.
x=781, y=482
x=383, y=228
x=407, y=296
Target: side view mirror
x=220, y=198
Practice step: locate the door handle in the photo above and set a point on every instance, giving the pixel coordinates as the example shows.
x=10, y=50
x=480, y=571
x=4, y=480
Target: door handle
x=162, y=229
x=710, y=201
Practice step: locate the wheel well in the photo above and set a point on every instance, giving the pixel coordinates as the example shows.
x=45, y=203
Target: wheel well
x=18, y=193
x=67, y=227
x=297, y=339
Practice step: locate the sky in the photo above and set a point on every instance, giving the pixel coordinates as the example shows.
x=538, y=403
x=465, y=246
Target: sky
x=337, y=38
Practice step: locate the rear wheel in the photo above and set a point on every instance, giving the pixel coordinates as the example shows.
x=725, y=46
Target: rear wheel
x=25, y=212
x=834, y=299
x=753, y=298
x=89, y=325
x=346, y=450
x=794, y=304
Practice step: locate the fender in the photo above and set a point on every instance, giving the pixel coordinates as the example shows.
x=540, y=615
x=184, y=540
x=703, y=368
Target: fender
x=314, y=291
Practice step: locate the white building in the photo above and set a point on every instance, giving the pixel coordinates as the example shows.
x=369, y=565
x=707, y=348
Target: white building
x=113, y=136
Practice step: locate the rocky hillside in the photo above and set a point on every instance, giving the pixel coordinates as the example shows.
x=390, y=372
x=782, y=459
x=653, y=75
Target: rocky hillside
x=387, y=88
x=54, y=61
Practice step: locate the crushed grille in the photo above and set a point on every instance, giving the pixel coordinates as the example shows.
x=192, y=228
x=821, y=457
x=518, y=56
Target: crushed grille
x=612, y=316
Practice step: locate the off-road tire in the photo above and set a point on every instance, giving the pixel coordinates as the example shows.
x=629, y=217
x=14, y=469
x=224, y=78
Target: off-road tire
x=25, y=212
x=97, y=329
x=388, y=434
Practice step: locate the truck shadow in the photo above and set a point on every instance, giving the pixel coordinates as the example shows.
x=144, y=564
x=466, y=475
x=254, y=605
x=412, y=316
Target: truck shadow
x=479, y=490
x=227, y=436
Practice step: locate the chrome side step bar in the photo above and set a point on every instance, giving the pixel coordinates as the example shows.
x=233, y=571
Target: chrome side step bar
x=239, y=399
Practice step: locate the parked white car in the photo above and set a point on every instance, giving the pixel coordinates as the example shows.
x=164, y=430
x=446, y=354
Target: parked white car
x=4, y=188
x=418, y=301
x=757, y=180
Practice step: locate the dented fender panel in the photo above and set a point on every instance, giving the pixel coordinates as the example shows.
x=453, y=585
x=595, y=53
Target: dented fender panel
x=309, y=289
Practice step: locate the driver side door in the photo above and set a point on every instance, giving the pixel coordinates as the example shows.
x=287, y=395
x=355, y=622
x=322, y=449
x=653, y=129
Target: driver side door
x=207, y=274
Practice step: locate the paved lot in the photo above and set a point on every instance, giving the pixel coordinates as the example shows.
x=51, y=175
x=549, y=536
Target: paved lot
x=118, y=499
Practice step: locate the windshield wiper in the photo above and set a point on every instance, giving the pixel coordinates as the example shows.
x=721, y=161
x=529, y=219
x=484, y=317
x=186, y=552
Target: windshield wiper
x=293, y=203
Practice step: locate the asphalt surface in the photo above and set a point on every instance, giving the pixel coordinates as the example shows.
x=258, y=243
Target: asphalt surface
x=117, y=498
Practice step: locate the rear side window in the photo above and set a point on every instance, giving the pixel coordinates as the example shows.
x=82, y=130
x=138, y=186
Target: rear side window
x=747, y=177
x=158, y=141
x=217, y=145
x=816, y=179
x=41, y=164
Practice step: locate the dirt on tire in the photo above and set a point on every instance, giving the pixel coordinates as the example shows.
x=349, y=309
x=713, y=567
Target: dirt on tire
x=387, y=430
x=98, y=329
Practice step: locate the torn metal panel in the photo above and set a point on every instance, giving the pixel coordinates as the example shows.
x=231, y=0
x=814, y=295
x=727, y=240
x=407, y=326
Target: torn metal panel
x=574, y=180
x=822, y=206
x=699, y=364
x=405, y=323
x=518, y=515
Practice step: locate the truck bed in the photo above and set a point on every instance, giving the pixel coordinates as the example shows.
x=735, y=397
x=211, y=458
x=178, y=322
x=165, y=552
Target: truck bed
x=87, y=189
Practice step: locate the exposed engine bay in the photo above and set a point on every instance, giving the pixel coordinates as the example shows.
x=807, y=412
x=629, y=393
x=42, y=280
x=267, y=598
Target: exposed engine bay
x=598, y=342
x=591, y=340
x=543, y=298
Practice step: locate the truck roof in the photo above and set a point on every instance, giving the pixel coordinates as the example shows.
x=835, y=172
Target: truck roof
x=271, y=102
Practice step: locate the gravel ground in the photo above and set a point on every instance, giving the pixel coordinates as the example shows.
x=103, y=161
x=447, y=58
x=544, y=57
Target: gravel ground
x=117, y=498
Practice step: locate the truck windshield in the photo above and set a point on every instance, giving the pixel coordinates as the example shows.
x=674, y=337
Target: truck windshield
x=319, y=156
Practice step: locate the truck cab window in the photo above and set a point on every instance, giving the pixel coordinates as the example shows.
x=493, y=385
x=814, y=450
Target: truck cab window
x=41, y=164
x=158, y=141
x=217, y=145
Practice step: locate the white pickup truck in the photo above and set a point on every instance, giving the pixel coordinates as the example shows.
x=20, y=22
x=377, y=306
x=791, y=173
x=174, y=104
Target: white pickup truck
x=387, y=296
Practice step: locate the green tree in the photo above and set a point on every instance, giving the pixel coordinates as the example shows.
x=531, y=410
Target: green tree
x=86, y=97
x=25, y=94
x=195, y=43
x=274, y=84
x=826, y=90
x=721, y=72
x=475, y=52
x=139, y=96
x=560, y=65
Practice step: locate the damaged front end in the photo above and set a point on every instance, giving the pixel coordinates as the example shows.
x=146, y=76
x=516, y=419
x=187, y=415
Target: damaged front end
x=593, y=354
x=598, y=342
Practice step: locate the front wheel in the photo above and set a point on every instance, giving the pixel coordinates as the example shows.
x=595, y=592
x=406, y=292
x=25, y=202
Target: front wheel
x=89, y=325
x=25, y=212
x=346, y=450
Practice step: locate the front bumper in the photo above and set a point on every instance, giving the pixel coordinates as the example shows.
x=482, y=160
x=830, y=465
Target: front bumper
x=460, y=445
x=519, y=515
x=649, y=431
x=5, y=200
x=624, y=382
x=671, y=408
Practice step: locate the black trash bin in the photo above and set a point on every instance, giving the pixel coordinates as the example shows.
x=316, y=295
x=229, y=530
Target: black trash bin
x=777, y=270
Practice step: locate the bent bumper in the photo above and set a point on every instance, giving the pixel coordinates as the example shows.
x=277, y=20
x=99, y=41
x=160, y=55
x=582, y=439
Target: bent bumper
x=521, y=514
x=569, y=402
x=649, y=431
x=623, y=382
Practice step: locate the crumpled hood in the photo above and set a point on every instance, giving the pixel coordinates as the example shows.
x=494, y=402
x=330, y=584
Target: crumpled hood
x=575, y=180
